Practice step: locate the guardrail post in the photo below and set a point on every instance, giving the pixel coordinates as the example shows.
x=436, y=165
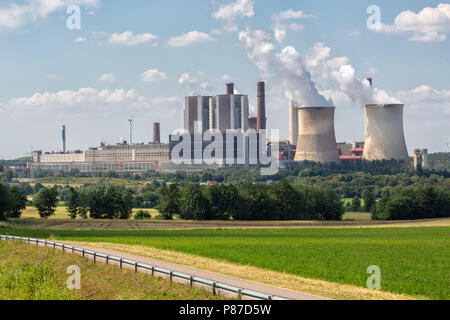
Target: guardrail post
x=107, y=259
x=214, y=288
x=63, y=248
x=95, y=257
x=171, y=276
x=269, y=298
x=28, y=240
x=82, y=253
x=54, y=245
x=120, y=263
x=37, y=243
x=191, y=281
x=153, y=271
x=239, y=294
x=136, y=267
x=73, y=249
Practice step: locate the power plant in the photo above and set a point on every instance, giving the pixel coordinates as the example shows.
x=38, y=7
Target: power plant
x=316, y=135
x=312, y=137
x=385, y=137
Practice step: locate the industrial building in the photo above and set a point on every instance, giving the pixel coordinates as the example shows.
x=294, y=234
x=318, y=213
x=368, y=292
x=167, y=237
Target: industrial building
x=385, y=137
x=122, y=157
x=316, y=135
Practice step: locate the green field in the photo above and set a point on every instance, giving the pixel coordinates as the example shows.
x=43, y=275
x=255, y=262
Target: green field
x=413, y=261
x=61, y=213
x=30, y=273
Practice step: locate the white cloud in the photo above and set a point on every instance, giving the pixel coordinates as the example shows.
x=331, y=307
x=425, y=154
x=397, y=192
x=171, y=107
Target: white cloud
x=107, y=77
x=373, y=71
x=189, y=77
x=285, y=69
x=153, y=75
x=13, y=16
x=189, y=38
x=339, y=73
x=291, y=14
x=80, y=39
x=227, y=78
x=127, y=38
x=230, y=12
x=280, y=30
x=430, y=24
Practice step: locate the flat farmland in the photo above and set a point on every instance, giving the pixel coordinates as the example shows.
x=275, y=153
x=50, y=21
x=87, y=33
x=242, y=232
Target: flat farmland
x=413, y=261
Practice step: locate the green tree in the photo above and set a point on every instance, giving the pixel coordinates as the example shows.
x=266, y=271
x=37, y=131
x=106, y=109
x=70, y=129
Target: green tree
x=356, y=204
x=169, y=201
x=46, y=201
x=19, y=203
x=194, y=206
x=73, y=203
x=5, y=201
x=369, y=200
x=289, y=202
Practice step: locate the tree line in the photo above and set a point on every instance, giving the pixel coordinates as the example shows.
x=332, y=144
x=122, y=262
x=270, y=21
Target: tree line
x=279, y=201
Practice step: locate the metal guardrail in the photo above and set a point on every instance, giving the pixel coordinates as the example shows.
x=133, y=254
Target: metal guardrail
x=216, y=286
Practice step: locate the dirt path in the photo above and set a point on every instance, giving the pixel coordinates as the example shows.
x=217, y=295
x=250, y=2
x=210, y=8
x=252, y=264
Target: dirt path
x=67, y=224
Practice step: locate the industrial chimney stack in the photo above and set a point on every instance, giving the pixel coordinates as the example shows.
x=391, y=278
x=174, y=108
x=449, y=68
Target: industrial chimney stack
x=63, y=139
x=230, y=88
x=156, y=133
x=261, y=107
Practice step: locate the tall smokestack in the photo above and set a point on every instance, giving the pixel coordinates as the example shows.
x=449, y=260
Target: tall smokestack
x=293, y=123
x=63, y=139
x=261, y=107
x=230, y=88
x=156, y=133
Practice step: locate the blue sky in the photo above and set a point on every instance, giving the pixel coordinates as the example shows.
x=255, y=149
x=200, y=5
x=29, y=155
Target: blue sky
x=39, y=55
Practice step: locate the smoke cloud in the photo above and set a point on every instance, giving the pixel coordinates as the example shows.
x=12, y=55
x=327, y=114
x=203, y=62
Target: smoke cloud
x=286, y=67
x=338, y=72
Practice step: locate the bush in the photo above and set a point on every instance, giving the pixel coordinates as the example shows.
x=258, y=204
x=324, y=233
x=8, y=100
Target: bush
x=142, y=215
x=422, y=203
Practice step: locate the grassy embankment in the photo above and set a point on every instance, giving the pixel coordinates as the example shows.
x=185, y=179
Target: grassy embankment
x=43, y=277
x=413, y=261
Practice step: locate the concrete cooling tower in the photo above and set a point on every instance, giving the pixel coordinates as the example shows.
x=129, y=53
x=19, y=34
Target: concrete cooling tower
x=316, y=138
x=385, y=137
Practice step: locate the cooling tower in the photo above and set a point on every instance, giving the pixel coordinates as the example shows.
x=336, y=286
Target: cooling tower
x=385, y=137
x=316, y=138
x=293, y=123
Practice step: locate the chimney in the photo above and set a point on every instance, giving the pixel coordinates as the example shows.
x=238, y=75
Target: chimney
x=261, y=107
x=370, y=81
x=63, y=139
x=156, y=133
x=230, y=88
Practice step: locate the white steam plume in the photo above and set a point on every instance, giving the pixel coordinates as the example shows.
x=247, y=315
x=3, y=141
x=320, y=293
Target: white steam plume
x=331, y=72
x=287, y=67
